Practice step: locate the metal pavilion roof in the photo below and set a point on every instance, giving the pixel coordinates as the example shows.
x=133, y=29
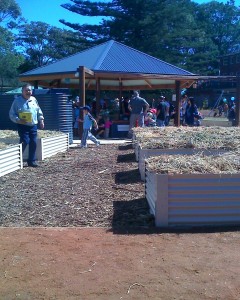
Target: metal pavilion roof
x=111, y=57
x=114, y=66
x=114, y=63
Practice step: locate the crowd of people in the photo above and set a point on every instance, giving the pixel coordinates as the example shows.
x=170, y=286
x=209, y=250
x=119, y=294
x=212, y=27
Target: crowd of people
x=162, y=111
x=138, y=112
x=226, y=109
x=27, y=114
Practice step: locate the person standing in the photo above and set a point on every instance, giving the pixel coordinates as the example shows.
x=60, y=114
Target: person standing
x=107, y=125
x=161, y=112
x=191, y=112
x=138, y=108
x=76, y=111
x=184, y=103
x=88, y=122
x=27, y=114
x=125, y=112
x=167, y=118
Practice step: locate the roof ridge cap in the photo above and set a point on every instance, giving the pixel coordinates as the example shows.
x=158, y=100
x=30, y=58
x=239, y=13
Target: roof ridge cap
x=104, y=54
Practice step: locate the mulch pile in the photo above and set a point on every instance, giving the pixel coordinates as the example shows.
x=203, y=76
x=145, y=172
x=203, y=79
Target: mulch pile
x=93, y=187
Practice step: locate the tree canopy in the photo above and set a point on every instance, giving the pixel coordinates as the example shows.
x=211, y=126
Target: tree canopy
x=42, y=43
x=9, y=10
x=181, y=32
x=189, y=35
x=10, y=59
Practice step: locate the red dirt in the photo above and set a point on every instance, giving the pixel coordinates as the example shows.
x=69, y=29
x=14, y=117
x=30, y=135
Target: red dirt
x=93, y=263
x=49, y=252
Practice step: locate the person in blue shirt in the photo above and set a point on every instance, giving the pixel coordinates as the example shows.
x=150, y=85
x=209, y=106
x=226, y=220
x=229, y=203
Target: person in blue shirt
x=27, y=114
x=138, y=108
x=88, y=123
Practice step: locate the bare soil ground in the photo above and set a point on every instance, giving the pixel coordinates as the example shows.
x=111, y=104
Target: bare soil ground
x=79, y=227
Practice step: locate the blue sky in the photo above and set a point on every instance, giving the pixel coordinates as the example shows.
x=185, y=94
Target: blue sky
x=50, y=11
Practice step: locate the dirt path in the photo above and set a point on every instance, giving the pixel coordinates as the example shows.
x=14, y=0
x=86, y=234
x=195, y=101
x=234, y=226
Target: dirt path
x=72, y=262
x=93, y=263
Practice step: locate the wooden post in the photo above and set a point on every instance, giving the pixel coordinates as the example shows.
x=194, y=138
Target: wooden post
x=120, y=90
x=98, y=95
x=120, y=98
x=237, y=101
x=81, y=71
x=178, y=105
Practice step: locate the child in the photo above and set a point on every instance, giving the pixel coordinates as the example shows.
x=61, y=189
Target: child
x=76, y=117
x=149, y=120
x=88, y=122
x=107, y=125
x=99, y=132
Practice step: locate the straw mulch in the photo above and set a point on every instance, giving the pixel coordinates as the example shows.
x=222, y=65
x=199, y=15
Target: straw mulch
x=228, y=163
x=210, y=138
x=10, y=137
x=225, y=138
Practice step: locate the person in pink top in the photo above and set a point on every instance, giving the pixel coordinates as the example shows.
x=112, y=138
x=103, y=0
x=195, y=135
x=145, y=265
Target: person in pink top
x=108, y=124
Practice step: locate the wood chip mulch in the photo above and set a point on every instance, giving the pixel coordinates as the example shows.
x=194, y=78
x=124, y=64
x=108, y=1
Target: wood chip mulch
x=93, y=187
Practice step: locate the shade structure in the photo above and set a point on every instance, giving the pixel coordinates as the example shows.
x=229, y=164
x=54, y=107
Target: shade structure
x=117, y=67
x=112, y=66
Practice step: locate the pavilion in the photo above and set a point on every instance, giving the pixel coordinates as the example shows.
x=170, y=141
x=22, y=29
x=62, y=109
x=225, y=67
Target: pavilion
x=117, y=67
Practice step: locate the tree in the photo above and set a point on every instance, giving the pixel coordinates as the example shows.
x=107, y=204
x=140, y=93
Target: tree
x=9, y=59
x=181, y=32
x=147, y=25
x=222, y=25
x=120, y=20
x=9, y=9
x=41, y=44
x=95, y=34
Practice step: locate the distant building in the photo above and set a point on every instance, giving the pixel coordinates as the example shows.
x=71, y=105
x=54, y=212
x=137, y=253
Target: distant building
x=230, y=65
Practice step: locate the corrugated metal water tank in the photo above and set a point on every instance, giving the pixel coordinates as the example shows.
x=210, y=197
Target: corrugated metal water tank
x=56, y=107
x=5, y=105
x=57, y=110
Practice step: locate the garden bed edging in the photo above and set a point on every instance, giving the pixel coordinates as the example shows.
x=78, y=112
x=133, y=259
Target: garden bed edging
x=193, y=199
x=49, y=146
x=11, y=159
x=143, y=154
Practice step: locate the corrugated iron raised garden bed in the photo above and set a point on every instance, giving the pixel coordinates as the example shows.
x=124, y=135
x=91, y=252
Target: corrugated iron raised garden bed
x=11, y=158
x=194, y=190
x=184, y=140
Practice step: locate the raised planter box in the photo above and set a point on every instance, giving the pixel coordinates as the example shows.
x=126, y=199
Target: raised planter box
x=146, y=153
x=50, y=146
x=11, y=159
x=193, y=199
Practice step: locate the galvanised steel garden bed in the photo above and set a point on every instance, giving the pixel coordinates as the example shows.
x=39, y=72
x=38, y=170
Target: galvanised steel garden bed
x=11, y=159
x=193, y=199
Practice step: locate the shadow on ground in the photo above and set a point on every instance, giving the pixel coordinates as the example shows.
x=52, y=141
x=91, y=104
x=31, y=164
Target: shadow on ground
x=130, y=157
x=126, y=147
x=134, y=217
x=131, y=214
x=128, y=177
